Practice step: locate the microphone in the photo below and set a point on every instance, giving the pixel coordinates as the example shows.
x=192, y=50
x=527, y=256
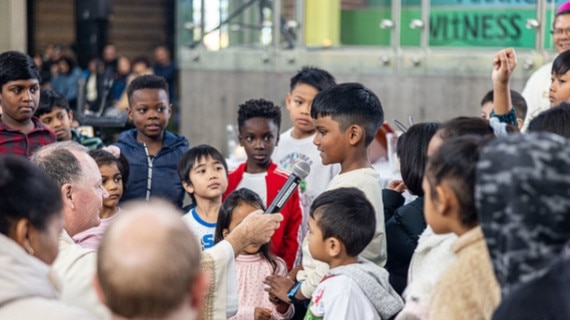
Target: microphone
x=300, y=172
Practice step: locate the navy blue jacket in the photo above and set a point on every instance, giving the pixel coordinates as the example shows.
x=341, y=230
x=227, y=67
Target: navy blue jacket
x=165, y=182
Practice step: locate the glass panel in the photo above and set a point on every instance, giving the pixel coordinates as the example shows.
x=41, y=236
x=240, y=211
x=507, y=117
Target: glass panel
x=366, y=23
x=411, y=14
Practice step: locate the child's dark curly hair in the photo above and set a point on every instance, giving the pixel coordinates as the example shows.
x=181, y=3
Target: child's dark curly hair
x=259, y=108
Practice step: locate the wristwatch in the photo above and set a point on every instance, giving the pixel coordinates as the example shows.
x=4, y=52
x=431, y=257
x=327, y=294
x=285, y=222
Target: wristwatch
x=293, y=291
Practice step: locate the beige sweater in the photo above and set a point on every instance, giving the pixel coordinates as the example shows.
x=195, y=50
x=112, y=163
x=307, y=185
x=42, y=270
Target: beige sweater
x=468, y=289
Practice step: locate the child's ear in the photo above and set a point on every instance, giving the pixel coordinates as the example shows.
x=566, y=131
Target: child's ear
x=288, y=101
x=355, y=134
x=188, y=187
x=130, y=113
x=520, y=122
x=225, y=232
x=170, y=108
x=334, y=246
x=70, y=115
x=240, y=139
x=446, y=202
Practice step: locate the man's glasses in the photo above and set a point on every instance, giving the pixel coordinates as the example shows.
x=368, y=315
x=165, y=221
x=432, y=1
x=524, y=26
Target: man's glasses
x=560, y=31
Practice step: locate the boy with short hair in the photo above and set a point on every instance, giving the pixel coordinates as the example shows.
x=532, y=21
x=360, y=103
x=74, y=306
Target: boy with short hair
x=296, y=144
x=54, y=112
x=151, y=150
x=20, y=132
x=347, y=117
x=258, y=124
x=341, y=225
x=204, y=175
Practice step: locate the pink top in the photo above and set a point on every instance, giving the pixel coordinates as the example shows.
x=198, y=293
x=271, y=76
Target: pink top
x=90, y=238
x=251, y=270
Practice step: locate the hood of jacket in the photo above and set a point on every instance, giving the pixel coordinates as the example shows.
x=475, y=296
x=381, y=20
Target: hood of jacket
x=522, y=194
x=23, y=275
x=368, y=276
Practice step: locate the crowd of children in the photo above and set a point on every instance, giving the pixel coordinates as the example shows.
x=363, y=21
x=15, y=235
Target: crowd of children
x=487, y=228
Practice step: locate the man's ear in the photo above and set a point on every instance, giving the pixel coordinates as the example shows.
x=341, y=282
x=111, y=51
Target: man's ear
x=355, y=134
x=97, y=286
x=198, y=291
x=67, y=192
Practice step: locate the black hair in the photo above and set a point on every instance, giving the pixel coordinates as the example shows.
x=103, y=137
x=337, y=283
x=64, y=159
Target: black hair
x=561, y=64
x=15, y=65
x=348, y=104
x=412, y=150
x=197, y=153
x=314, y=77
x=71, y=63
x=555, y=120
x=455, y=162
x=141, y=59
x=147, y=81
x=259, y=108
x=20, y=179
x=461, y=126
x=345, y=214
x=225, y=215
x=103, y=157
x=517, y=100
x=50, y=99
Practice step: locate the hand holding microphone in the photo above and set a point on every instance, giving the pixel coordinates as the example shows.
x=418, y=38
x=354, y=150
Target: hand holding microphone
x=300, y=172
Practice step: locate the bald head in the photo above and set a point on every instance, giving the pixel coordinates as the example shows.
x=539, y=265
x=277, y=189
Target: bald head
x=148, y=262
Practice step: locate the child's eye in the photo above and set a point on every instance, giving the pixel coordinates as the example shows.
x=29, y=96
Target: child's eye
x=160, y=109
x=249, y=139
x=117, y=179
x=267, y=138
x=219, y=168
x=141, y=111
x=34, y=89
x=16, y=90
x=298, y=102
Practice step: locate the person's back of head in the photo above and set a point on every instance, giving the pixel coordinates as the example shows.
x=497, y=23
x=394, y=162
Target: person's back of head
x=50, y=99
x=350, y=104
x=412, y=150
x=59, y=161
x=259, y=108
x=347, y=215
x=452, y=167
x=147, y=81
x=20, y=179
x=15, y=65
x=522, y=192
x=148, y=265
x=554, y=120
x=317, y=78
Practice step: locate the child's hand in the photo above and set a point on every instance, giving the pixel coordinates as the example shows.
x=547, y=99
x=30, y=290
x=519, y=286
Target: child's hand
x=261, y=314
x=504, y=63
x=396, y=185
x=279, y=286
x=293, y=273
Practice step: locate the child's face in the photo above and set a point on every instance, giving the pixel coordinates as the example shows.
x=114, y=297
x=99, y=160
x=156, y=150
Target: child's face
x=239, y=213
x=209, y=179
x=149, y=110
x=258, y=136
x=113, y=183
x=559, y=89
x=19, y=99
x=299, y=105
x=330, y=141
x=486, y=110
x=59, y=121
x=317, y=245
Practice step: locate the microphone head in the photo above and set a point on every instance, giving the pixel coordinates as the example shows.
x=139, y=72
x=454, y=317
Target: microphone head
x=301, y=169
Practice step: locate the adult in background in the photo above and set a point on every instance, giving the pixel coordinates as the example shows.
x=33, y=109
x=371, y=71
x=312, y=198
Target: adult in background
x=537, y=88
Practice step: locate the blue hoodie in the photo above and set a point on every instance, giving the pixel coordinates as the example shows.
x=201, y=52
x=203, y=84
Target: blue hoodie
x=165, y=182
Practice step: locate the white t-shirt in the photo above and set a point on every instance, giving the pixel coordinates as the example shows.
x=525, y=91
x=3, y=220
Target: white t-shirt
x=204, y=231
x=339, y=297
x=256, y=183
x=536, y=92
